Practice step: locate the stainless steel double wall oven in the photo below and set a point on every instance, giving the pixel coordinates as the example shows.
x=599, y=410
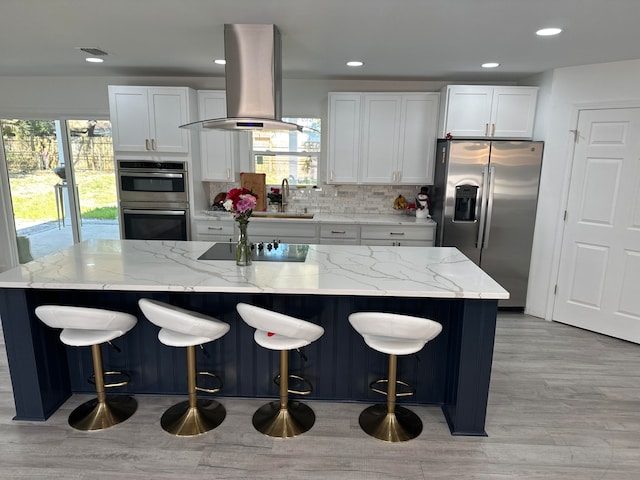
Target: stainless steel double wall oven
x=154, y=200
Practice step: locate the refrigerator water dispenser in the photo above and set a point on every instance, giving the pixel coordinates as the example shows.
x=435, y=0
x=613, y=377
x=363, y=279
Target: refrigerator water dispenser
x=465, y=206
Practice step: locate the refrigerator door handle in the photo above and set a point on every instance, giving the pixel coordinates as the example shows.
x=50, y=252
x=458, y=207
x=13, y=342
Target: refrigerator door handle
x=492, y=183
x=483, y=210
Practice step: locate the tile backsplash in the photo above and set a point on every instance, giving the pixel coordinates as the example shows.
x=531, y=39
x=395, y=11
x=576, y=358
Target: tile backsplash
x=370, y=199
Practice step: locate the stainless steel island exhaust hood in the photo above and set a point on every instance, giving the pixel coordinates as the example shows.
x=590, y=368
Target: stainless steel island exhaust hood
x=253, y=74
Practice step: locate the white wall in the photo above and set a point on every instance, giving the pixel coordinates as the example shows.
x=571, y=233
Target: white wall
x=87, y=96
x=615, y=83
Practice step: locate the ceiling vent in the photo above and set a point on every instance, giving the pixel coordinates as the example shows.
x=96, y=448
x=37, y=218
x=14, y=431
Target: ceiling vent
x=94, y=51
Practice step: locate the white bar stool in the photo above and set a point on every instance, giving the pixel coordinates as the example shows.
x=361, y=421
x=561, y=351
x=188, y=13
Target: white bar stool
x=184, y=328
x=276, y=331
x=84, y=327
x=395, y=335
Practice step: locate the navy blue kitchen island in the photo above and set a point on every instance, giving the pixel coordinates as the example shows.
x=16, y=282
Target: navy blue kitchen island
x=452, y=371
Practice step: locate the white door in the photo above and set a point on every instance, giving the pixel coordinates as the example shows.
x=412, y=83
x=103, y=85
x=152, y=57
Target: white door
x=599, y=275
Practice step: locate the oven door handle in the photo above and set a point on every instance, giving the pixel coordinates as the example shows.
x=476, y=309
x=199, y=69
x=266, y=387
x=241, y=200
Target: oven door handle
x=151, y=174
x=154, y=212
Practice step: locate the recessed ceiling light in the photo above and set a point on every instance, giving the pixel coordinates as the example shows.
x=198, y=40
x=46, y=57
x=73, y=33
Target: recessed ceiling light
x=547, y=32
x=490, y=65
x=355, y=63
x=220, y=61
x=94, y=60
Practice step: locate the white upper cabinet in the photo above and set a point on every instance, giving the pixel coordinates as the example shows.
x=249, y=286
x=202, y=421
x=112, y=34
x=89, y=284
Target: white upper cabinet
x=343, y=155
x=384, y=138
x=216, y=146
x=380, y=135
x=483, y=111
x=417, y=138
x=146, y=119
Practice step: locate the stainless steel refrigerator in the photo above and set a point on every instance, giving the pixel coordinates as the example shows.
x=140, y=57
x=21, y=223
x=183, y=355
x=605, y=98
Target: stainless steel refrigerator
x=484, y=201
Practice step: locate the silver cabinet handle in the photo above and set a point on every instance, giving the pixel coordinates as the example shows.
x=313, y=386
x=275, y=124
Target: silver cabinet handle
x=151, y=174
x=339, y=231
x=228, y=173
x=153, y=144
x=181, y=213
x=493, y=129
x=396, y=233
x=146, y=144
x=331, y=175
x=486, y=129
x=214, y=228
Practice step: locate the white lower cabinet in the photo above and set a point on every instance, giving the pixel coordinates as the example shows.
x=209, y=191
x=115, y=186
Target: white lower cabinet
x=215, y=231
x=398, y=235
x=297, y=231
x=303, y=232
x=339, y=234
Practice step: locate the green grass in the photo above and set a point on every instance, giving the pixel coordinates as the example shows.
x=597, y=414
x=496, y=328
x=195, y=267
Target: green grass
x=33, y=194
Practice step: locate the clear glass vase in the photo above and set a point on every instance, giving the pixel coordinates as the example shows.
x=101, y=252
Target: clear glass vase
x=243, y=248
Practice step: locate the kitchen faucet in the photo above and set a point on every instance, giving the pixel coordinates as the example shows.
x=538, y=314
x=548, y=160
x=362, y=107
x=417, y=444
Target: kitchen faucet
x=285, y=194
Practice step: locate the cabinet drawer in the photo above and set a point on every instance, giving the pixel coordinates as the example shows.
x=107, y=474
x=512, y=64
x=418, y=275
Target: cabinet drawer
x=214, y=228
x=338, y=230
x=396, y=232
x=275, y=229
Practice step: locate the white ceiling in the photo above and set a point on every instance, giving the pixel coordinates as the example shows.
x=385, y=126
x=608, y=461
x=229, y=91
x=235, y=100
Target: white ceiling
x=397, y=39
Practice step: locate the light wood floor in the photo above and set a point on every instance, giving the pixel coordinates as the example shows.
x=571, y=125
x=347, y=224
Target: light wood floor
x=564, y=404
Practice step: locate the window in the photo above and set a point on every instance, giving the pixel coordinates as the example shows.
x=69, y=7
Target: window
x=290, y=155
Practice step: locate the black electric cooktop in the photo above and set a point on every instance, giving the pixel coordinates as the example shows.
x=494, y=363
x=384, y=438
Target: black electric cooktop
x=260, y=252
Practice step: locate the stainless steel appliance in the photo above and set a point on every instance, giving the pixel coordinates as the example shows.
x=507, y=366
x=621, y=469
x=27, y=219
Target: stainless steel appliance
x=154, y=222
x=253, y=76
x=484, y=201
x=154, y=200
x=147, y=181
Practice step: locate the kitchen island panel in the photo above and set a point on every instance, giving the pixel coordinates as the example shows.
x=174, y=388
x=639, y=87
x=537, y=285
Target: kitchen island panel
x=339, y=364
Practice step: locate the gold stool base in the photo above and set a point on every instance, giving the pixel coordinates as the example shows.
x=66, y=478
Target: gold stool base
x=185, y=421
x=288, y=422
x=94, y=415
x=400, y=426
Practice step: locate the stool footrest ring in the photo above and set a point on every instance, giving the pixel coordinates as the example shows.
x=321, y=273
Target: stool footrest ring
x=300, y=379
x=210, y=390
x=111, y=373
x=411, y=389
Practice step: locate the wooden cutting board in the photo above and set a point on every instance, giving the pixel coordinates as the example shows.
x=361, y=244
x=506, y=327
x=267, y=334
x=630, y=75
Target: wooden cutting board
x=257, y=183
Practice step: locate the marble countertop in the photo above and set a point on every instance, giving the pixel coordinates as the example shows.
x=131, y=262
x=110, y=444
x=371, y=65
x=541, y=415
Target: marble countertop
x=140, y=265
x=361, y=219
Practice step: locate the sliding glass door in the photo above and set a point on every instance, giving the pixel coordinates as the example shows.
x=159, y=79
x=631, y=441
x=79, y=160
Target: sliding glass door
x=61, y=181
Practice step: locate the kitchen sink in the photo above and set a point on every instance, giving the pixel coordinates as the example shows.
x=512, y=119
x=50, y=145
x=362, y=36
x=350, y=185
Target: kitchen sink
x=303, y=216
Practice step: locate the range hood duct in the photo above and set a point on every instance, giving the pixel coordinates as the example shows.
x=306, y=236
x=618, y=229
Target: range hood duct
x=253, y=75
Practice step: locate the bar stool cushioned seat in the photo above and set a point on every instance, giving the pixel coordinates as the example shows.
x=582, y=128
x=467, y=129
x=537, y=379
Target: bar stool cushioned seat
x=81, y=327
x=394, y=335
x=183, y=328
x=276, y=331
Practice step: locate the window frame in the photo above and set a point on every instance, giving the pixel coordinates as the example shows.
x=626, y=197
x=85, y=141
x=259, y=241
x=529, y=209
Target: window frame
x=300, y=154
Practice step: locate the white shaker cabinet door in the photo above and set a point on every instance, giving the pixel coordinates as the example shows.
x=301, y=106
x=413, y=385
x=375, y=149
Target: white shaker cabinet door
x=344, y=138
x=129, y=110
x=168, y=109
x=380, y=134
x=468, y=111
x=416, y=146
x=217, y=158
x=513, y=111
